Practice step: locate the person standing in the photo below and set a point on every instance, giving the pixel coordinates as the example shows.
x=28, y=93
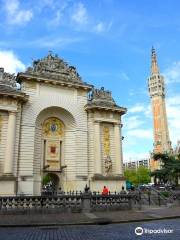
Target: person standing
x=123, y=191
x=105, y=191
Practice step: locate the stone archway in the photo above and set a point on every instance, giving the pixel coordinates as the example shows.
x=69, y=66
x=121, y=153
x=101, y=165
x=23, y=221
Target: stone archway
x=54, y=133
x=51, y=183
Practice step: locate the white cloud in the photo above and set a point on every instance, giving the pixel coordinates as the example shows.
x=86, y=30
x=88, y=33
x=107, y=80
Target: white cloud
x=82, y=20
x=42, y=5
x=148, y=111
x=138, y=108
x=10, y=62
x=56, y=20
x=80, y=15
x=48, y=3
x=138, y=91
x=51, y=42
x=173, y=113
x=138, y=129
x=133, y=122
x=137, y=133
x=175, y=100
x=172, y=73
x=59, y=15
x=135, y=155
x=140, y=133
x=102, y=27
x=137, y=143
x=16, y=15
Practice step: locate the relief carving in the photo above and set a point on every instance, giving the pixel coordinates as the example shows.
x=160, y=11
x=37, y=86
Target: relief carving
x=101, y=97
x=106, y=139
x=53, y=67
x=53, y=127
x=53, y=131
x=7, y=78
x=53, y=152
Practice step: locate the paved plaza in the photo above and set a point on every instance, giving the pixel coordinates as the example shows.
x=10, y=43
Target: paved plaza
x=124, y=231
x=10, y=219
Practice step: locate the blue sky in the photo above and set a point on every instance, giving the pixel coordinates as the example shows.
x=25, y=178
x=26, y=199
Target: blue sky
x=109, y=41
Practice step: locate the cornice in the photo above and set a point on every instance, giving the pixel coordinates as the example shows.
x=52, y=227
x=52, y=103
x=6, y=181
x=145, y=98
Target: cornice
x=30, y=77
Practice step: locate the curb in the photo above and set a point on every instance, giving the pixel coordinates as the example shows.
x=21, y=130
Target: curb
x=100, y=221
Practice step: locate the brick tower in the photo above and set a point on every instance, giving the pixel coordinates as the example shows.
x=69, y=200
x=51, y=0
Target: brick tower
x=156, y=87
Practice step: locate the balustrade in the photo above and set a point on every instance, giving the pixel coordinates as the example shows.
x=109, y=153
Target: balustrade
x=72, y=201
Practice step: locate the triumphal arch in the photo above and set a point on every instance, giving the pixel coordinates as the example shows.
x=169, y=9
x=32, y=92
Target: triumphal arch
x=54, y=124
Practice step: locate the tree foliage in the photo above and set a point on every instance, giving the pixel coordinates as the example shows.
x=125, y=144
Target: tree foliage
x=170, y=168
x=46, y=179
x=138, y=176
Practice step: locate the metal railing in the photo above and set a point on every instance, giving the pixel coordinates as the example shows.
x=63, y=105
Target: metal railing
x=158, y=197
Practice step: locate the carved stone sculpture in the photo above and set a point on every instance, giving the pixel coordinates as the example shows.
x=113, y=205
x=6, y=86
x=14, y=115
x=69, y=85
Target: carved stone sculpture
x=101, y=97
x=107, y=164
x=54, y=67
x=107, y=161
x=7, y=78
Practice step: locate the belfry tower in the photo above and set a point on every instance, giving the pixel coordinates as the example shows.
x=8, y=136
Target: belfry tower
x=156, y=87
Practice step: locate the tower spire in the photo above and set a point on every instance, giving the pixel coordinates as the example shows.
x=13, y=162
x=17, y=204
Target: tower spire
x=156, y=87
x=154, y=65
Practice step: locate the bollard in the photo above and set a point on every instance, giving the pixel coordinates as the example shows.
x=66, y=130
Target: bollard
x=86, y=202
x=149, y=198
x=159, y=199
x=139, y=201
x=86, y=199
x=130, y=203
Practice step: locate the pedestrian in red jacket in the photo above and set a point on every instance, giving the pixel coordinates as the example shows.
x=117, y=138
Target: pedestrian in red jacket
x=105, y=191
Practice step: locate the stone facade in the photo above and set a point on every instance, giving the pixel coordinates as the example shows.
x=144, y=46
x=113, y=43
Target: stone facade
x=60, y=126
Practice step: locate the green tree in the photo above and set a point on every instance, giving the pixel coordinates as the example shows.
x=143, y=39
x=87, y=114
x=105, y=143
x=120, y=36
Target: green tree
x=46, y=179
x=170, y=168
x=138, y=176
x=143, y=175
x=130, y=175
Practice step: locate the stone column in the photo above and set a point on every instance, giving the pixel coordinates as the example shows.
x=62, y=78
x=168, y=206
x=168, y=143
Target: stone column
x=97, y=149
x=118, y=148
x=9, y=154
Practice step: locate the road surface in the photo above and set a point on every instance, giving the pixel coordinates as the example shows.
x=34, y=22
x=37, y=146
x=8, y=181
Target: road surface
x=161, y=229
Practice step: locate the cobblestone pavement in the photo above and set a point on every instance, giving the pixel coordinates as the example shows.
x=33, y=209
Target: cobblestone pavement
x=94, y=232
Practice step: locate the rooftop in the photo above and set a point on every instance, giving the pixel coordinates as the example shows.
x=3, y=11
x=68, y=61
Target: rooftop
x=54, y=69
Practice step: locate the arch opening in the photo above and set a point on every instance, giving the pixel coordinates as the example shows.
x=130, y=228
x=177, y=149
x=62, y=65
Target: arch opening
x=54, y=130
x=50, y=184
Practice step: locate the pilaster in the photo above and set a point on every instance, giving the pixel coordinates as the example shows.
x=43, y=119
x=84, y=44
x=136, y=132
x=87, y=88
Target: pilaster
x=9, y=154
x=97, y=149
x=118, y=148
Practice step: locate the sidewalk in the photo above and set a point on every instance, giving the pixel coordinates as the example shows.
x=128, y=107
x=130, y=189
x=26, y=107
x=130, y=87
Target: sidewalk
x=146, y=214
